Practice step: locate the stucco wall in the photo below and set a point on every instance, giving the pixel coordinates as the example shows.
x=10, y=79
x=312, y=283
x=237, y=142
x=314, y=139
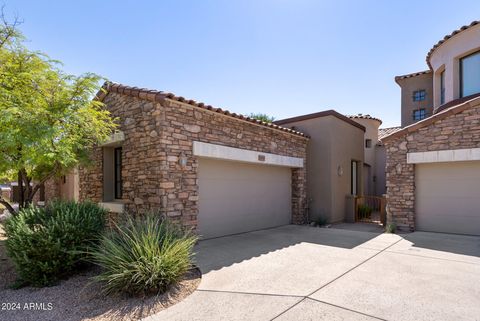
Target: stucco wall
x=370, y=167
x=380, y=174
x=447, y=56
x=68, y=188
x=156, y=133
x=408, y=87
x=457, y=131
x=333, y=143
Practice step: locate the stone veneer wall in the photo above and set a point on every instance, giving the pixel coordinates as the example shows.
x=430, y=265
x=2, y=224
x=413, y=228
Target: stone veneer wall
x=156, y=133
x=456, y=131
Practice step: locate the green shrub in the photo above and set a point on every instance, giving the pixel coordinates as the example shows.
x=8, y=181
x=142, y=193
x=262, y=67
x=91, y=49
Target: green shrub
x=144, y=255
x=320, y=221
x=47, y=244
x=364, y=211
x=390, y=228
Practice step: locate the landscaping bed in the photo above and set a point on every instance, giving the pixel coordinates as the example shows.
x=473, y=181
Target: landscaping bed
x=78, y=298
x=60, y=262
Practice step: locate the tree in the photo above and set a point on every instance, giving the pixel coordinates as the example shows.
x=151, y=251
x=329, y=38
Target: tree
x=48, y=119
x=263, y=117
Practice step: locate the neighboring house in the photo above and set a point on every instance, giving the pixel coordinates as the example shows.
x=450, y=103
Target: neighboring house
x=433, y=165
x=373, y=167
x=334, y=163
x=216, y=171
x=65, y=187
x=416, y=96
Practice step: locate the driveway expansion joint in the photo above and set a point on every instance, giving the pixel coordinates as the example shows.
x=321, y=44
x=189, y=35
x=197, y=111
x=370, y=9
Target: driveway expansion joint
x=353, y=268
x=251, y=293
x=432, y=257
x=335, y=279
x=344, y=308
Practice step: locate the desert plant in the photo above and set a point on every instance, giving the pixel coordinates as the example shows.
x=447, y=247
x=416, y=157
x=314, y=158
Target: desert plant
x=47, y=244
x=364, y=211
x=390, y=228
x=320, y=221
x=144, y=255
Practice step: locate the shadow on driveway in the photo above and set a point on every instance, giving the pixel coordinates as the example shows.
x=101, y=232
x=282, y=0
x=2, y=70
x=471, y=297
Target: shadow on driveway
x=214, y=254
x=452, y=243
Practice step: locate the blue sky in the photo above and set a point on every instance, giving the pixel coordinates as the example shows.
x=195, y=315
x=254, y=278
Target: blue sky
x=280, y=57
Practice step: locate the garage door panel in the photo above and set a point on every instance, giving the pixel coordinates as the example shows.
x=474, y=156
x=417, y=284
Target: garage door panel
x=448, y=197
x=239, y=197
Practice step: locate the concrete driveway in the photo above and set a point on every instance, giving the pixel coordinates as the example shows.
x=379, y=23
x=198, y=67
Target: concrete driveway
x=305, y=273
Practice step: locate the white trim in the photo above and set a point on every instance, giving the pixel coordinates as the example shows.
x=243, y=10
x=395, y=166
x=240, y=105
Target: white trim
x=244, y=155
x=450, y=155
x=114, y=140
x=113, y=207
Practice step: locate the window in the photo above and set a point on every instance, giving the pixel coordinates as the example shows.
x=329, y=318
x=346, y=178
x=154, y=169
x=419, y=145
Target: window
x=368, y=143
x=419, y=114
x=470, y=74
x=354, y=178
x=442, y=88
x=118, y=172
x=419, y=95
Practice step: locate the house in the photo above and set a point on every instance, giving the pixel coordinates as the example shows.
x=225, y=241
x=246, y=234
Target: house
x=210, y=169
x=433, y=163
x=374, y=165
x=335, y=159
x=223, y=173
x=341, y=161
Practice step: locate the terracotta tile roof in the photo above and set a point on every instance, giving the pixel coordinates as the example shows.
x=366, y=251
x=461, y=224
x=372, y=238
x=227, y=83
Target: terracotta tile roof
x=455, y=102
x=160, y=96
x=362, y=116
x=383, y=132
x=415, y=74
x=330, y=112
x=455, y=32
x=452, y=110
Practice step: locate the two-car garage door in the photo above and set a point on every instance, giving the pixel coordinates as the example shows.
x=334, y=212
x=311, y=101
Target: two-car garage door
x=448, y=197
x=237, y=197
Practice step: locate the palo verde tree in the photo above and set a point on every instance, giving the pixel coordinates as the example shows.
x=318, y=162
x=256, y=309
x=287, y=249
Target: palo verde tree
x=263, y=117
x=48, y=119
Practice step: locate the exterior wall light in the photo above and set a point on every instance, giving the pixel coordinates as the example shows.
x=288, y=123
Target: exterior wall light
x=182, y=160
x=340, y=170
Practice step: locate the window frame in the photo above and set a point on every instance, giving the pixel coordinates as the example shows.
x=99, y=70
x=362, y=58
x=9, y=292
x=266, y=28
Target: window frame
x=422, y=114
x=460, y=68
x=442, y=87
x=117, y=173
x=354, y=177
x=422, y=95
x=368, y=143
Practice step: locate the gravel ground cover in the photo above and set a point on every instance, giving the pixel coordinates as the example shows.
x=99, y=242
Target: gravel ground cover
x=78, y=298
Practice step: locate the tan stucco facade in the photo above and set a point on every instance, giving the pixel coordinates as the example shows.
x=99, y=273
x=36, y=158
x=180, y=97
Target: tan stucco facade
x=370, y=173
x=380, y=172
x=334, y=144
x=447, y=57
x=69, y=187
x=422, y=81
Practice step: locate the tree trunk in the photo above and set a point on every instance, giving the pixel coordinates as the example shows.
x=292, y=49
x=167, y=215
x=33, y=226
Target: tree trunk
x=21, y=191
x=27, y=193
x=7, y=205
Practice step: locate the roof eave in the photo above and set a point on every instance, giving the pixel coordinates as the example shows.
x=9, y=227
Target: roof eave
x=159, y=96
x=434, y=118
